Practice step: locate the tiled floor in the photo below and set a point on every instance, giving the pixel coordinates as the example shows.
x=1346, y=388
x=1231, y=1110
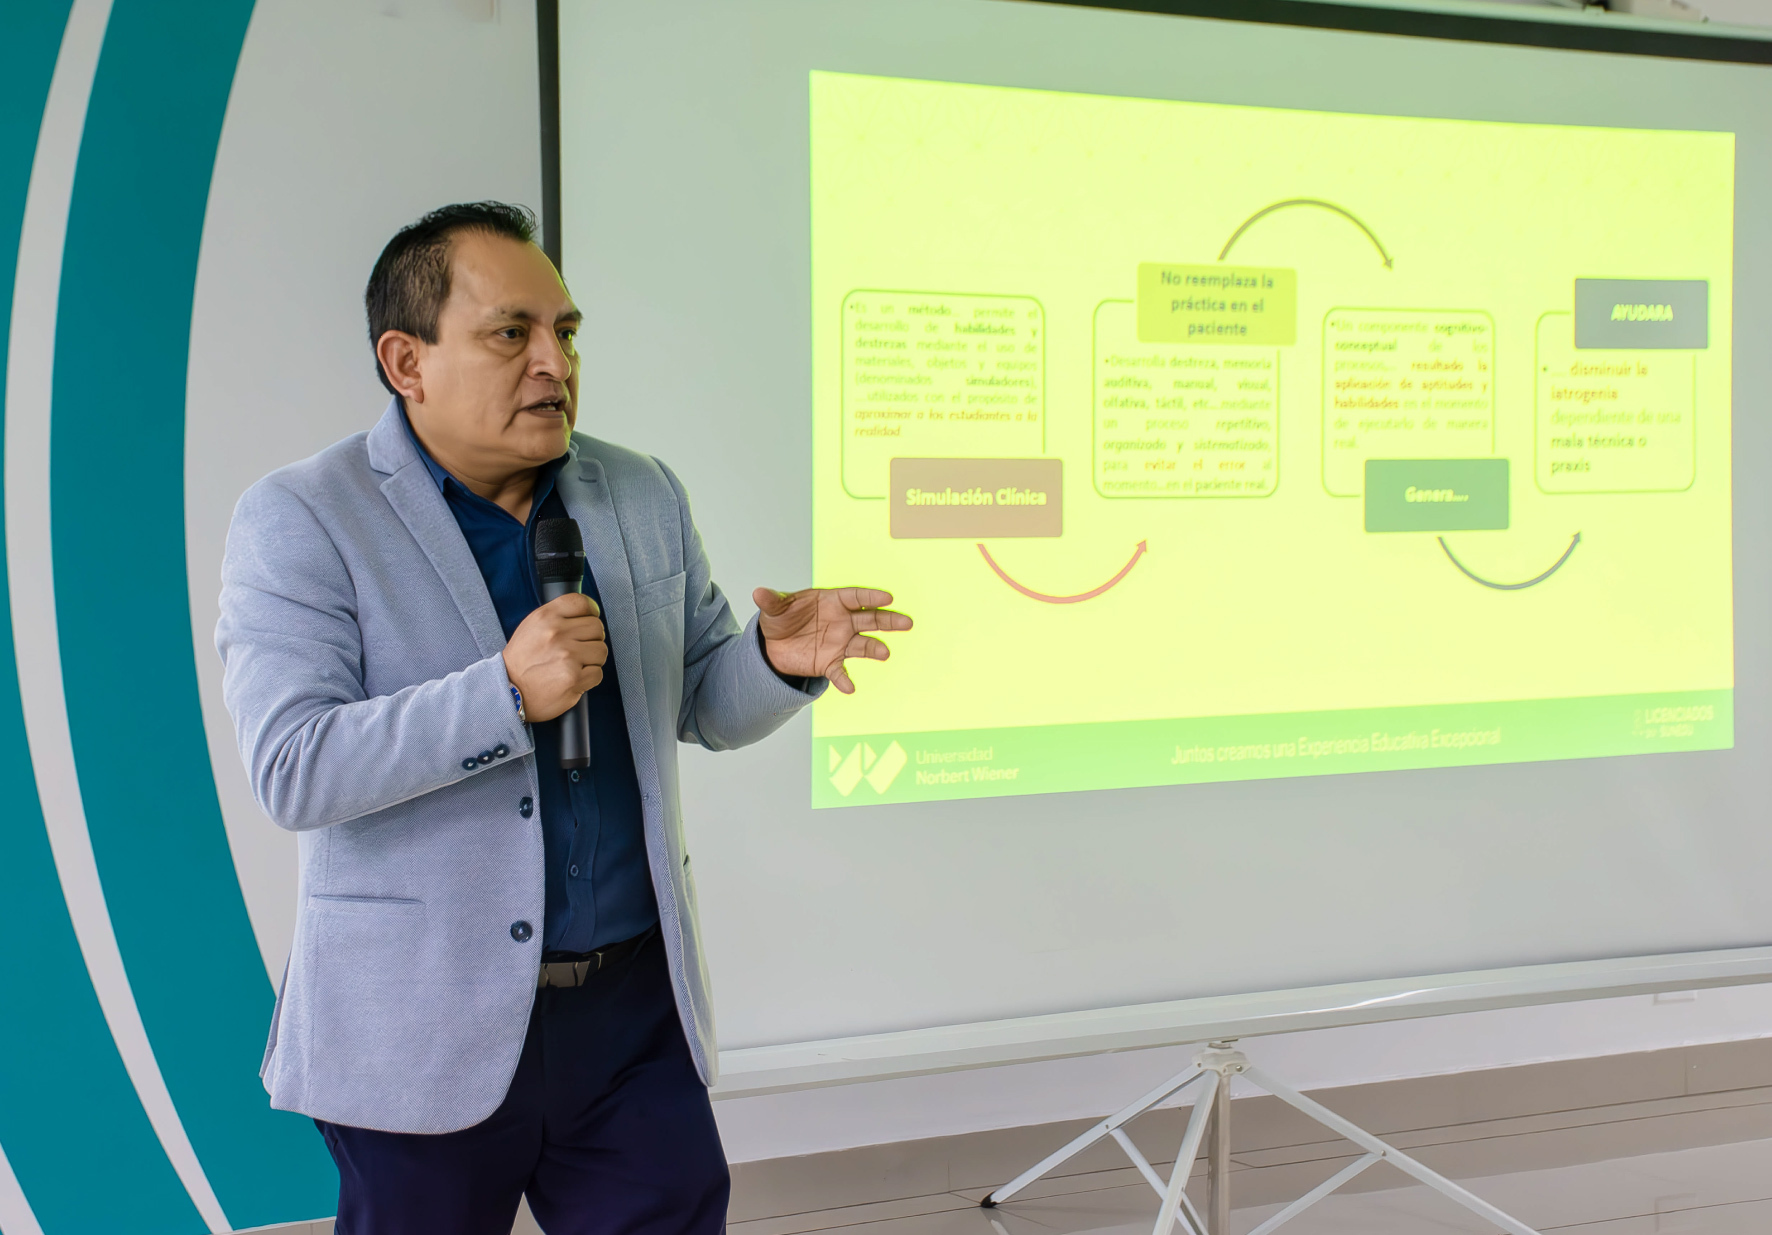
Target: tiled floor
x=1677, y=1140
x=1713, y=1190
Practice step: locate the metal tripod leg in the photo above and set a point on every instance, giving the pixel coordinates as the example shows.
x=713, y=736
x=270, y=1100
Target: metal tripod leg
x=1378, y=1150
x=1312, y=1197
x=1175, y=1199
x=1218, y=1162
x=1107, y=1127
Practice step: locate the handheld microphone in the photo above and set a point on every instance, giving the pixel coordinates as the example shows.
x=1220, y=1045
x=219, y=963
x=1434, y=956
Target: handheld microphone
x=560, y=568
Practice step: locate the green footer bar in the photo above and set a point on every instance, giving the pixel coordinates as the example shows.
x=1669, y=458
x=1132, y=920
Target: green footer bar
x=864, y=769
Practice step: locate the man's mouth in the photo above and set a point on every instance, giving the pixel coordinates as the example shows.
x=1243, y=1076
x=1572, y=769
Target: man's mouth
x=547, y=407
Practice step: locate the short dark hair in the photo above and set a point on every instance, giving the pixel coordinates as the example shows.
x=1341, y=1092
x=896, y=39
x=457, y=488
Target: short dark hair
x=410, y=281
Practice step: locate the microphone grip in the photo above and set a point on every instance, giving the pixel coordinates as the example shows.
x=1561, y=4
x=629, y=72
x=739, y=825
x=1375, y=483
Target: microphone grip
x=575, y=722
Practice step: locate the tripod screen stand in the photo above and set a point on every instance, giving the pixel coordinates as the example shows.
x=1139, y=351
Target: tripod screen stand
x=1212, y=1070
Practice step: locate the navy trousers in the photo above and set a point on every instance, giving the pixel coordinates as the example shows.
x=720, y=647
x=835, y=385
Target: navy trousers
x=606, y=1128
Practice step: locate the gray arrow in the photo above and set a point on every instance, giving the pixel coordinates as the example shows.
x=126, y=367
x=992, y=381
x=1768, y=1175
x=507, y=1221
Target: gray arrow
x=1510, y=587
x=1317, y=203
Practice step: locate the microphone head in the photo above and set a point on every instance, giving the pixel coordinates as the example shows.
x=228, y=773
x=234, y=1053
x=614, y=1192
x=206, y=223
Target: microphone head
x=559, y=551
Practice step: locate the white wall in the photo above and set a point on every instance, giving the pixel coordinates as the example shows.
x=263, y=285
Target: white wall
x=347, y=121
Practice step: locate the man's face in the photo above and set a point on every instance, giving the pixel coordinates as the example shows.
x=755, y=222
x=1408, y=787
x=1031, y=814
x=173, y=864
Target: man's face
x=499, y=387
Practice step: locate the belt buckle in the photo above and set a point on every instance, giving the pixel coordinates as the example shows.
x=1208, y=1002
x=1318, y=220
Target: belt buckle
x=569, y=973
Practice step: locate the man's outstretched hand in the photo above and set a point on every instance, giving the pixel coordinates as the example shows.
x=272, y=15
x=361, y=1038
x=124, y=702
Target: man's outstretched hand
x=809, y=633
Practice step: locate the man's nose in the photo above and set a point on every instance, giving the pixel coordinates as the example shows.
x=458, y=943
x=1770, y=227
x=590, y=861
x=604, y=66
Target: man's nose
x=550, y=359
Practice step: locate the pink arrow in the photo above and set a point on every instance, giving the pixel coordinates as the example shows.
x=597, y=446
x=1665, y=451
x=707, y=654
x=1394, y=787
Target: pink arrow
x=1065, y=600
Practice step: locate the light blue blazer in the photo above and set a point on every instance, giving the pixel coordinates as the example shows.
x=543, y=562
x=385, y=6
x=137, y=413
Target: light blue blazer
x=362, y=670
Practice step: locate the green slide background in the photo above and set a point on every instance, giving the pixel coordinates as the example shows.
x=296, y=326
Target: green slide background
x=1251, y=614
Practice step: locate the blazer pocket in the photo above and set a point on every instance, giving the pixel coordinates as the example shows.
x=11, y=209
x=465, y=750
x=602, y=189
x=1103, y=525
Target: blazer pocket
x=365, y=904
x=660, y=594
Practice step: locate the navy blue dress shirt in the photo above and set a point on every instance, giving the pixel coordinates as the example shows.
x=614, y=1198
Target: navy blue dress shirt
x=599, y=887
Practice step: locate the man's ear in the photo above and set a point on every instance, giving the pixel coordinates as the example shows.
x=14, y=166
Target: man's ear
x=399, y=356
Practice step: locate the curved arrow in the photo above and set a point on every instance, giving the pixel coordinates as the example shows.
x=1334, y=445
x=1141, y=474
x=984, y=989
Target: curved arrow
x=1306, y=201
x=1511, y=587
x=1091, y=594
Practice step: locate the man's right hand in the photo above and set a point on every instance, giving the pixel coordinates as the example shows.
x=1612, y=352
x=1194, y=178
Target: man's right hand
x=556, y=655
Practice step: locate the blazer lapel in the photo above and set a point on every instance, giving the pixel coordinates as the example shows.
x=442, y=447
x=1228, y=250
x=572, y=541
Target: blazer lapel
x=421, y=507
x=584, y=489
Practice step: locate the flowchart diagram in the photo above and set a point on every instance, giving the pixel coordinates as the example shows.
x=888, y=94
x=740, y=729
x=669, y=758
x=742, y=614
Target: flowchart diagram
x=1397, y=476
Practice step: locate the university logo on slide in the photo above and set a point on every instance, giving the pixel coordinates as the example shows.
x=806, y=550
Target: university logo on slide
x=879, y=770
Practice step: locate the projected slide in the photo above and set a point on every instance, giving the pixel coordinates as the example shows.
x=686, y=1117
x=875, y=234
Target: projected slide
x=1211, y=442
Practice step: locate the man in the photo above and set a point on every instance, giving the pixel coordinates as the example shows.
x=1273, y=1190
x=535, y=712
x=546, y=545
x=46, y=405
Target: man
x=497, y=986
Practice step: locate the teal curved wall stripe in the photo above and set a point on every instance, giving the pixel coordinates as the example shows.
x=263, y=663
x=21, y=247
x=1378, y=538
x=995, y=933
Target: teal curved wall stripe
x=117, y=500
x=65, y=1100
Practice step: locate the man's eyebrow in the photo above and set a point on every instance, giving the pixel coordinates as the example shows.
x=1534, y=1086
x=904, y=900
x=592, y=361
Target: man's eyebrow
x=510, y=313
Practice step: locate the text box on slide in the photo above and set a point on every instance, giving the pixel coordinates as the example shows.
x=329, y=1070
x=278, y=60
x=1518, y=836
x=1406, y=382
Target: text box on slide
x=939, y=374
x=1217, y=304
x=1180, y=421
x=1436, y=495
x=1613, y=421
x=1405, y=384
x=1642, y=313
x=976, y=498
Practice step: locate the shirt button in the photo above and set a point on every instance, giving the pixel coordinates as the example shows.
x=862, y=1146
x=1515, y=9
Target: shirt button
x=485, y=757
x=575, y=776
x=573, y=871
x=468, y=765
x=526, y=808
x=500, y=751
x=521, y=931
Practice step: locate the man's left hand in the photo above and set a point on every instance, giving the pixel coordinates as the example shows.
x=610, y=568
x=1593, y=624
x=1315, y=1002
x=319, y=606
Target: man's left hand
x=811, y=632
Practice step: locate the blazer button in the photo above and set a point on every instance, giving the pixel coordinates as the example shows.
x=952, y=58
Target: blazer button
x=526, y=808
x=521, y=931
x=485, y=757
x=500, y=751
x=468, y=765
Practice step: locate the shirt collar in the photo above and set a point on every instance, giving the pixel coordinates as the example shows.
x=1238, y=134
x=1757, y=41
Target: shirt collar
x=431, y=465
x=544, y=480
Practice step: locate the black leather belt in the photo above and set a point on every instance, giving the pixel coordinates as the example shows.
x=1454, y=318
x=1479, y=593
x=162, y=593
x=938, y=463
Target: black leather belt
x=576, y=969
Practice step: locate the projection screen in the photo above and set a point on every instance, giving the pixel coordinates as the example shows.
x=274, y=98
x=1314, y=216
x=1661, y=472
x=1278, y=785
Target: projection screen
x=1326, y=468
